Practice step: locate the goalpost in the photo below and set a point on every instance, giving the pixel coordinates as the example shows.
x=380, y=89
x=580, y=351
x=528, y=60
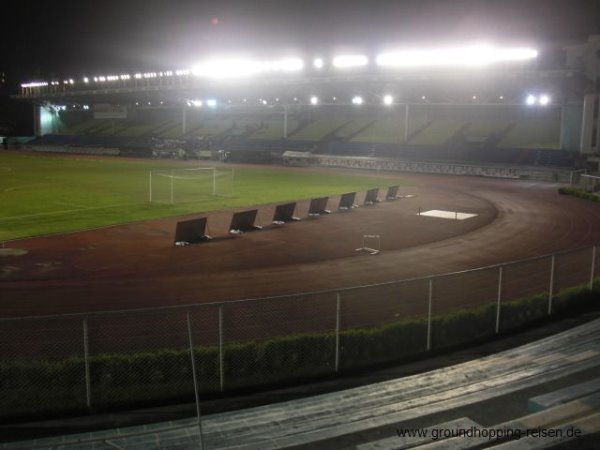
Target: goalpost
x=590, y=183
x=184, y=185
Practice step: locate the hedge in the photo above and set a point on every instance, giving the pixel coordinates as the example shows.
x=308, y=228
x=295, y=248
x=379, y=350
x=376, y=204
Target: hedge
x=43, y=387
x=580, y=193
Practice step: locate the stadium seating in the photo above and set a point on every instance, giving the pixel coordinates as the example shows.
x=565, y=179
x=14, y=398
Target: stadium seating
x=319, y=129
x=533, y=133
x=383, y=131
x=438, y=132
x=272, y=128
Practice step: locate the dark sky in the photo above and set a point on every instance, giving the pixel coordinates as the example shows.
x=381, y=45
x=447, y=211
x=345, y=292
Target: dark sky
x=44, y=37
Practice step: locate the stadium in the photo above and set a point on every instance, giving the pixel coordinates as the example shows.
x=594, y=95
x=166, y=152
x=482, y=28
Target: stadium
x=189, y=235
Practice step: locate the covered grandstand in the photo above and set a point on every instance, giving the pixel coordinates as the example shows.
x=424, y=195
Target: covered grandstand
x=512, y=114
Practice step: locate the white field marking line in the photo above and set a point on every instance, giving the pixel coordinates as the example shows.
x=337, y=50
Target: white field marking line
x=75, y=205
x=66, y=211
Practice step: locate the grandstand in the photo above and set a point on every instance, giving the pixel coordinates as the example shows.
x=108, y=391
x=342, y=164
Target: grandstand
x=517, y=114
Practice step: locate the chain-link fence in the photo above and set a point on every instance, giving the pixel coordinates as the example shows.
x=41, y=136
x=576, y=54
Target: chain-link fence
x=98, y=361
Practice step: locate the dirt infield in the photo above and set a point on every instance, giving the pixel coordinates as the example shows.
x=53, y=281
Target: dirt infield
x=137, y=266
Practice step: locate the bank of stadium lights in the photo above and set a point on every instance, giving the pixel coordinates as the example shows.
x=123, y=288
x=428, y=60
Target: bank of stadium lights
x=195, y=103
x=350, y=61
x=468, y=56
x=542, y=100
x=34, y=84
x=357, y=100
x=242, y=68
x=388, y=99
x=314, y=100
x=318, y=63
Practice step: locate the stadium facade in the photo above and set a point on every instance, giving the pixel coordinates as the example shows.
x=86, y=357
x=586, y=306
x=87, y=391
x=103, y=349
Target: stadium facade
x=540, y=111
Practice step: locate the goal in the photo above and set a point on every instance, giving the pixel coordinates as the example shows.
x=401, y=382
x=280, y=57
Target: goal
x=590, y=183
x=192, y=184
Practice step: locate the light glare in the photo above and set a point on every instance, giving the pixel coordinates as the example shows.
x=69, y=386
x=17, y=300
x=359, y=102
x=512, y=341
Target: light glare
x=388, y=99
x=242, y=68
x=471, y=56
x=348, y=61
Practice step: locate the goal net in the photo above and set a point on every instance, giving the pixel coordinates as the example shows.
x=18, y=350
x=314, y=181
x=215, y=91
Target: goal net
x=193, y=184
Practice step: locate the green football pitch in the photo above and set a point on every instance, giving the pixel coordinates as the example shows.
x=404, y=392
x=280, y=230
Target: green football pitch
x=46, y=194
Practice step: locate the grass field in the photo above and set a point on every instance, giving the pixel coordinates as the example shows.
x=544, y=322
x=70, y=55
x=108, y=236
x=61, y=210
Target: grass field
x=44, y=194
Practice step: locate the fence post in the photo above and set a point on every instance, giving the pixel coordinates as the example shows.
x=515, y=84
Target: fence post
x=221, y=373
x=551, y=288
x=593, y=268
x=337, y=332
x=429, y=314
x=86, y=358
x=197, y=397
x=499, y=299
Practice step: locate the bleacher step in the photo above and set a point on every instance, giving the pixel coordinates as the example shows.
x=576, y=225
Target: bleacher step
x=564, y=395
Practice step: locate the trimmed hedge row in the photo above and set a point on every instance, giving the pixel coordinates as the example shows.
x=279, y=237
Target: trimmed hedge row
x=580, y=193
x=43, y=387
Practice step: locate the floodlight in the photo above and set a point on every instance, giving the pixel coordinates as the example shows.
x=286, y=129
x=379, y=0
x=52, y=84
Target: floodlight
x=474, y=97
x=196, y=103
x=241, y=67
x=423, y=97
x=357, y=100
x=264, y=102
x=211, y=103
x=469, y=56
x=531, y=100
x=86, y=80
x=348, y=61
x=318, y=63
x=34, y=84
x=295, y=99
x=501, y=97
x=388, y=99
x=544, y=100
x=334, y=98
x=314, y=100
x=138, y=76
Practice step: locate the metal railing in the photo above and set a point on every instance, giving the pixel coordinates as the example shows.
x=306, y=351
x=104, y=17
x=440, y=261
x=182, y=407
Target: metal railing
x=98, y=360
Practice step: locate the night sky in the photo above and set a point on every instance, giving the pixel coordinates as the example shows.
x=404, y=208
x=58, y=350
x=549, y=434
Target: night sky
x=42, y=39
x=61, y=38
